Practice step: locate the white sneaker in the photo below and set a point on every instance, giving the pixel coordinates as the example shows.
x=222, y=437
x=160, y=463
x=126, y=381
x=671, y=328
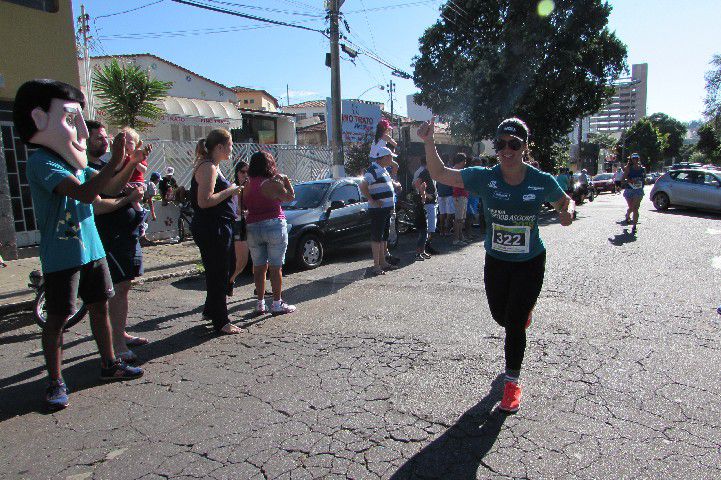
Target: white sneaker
x=281, y=308
x=260, y=307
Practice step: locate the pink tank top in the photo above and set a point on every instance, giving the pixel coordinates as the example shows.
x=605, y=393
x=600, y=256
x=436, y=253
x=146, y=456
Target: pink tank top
x=258, y=205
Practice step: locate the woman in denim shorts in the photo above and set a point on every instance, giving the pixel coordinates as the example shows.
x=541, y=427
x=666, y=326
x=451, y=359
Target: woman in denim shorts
x=267, y=232
x=633, y=175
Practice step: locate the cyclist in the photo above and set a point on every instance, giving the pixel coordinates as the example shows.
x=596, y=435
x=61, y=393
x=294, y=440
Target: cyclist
x=512, y=194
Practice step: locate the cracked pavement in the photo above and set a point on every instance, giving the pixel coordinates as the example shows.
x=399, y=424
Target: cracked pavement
x=398, y=376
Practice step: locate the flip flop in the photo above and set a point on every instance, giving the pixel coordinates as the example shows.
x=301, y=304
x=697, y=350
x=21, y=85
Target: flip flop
x=136, y=341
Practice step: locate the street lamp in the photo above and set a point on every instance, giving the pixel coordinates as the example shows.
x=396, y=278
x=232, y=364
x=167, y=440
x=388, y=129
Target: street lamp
x=382, y=87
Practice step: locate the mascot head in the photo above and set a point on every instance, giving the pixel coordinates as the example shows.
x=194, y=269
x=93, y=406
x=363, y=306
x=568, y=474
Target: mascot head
x=49, y=113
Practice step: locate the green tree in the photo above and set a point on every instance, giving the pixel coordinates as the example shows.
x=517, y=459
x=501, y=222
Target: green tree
x=709, y=143
x=603, y=140
x=129, y=95
x=357, y=157
x=643, y=138
x=486, y=60
x=674, y=130
x=712, y=102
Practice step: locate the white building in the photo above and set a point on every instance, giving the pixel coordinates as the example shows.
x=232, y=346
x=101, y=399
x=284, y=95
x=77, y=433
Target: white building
x=195, y=105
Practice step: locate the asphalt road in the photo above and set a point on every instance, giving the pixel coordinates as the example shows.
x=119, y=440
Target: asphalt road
x=397, y=376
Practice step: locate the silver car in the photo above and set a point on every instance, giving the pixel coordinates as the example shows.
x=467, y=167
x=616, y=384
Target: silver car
x=688, y=187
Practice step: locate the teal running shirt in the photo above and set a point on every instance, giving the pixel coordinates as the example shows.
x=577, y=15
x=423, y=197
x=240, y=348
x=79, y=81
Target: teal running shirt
x=511, y=212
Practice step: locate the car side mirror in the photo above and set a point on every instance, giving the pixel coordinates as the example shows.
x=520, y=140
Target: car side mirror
x=336, y=204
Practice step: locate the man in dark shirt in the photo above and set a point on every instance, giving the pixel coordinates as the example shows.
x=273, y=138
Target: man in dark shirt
x=168, y=185
x=423, y=176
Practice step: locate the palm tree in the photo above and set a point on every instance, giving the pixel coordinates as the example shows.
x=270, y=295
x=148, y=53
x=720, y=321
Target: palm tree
x=129, y=95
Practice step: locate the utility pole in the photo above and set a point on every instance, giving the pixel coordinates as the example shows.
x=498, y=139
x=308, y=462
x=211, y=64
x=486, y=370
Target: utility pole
x=84, y=29
x=391, y=91
x=337, y=140
x=287, y=94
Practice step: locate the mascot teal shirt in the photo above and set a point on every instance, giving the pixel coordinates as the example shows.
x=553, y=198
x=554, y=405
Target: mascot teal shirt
x=511, y=212
x=68, y=237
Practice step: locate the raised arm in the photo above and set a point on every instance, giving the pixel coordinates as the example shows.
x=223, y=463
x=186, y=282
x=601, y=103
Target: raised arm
x=439, y=172
x=278, y=188
x=116, y=184
x=88, y=192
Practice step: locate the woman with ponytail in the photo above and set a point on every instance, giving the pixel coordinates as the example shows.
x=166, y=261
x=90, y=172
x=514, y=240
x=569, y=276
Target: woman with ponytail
x=214, y=206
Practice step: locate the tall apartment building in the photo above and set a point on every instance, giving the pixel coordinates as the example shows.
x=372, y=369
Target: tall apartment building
x=625, y=107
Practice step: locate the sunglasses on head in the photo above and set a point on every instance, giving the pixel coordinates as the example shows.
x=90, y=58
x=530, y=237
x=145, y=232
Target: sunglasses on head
x=513, y=144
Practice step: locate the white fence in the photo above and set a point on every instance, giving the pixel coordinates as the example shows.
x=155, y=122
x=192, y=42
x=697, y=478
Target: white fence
x=301, y=163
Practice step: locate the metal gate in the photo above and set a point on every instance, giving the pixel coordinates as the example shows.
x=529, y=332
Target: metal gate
x=16, y=156
x=301, y=163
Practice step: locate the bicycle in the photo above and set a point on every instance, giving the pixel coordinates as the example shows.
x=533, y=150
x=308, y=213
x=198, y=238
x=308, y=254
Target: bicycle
x=37, y=282
x=184, y=218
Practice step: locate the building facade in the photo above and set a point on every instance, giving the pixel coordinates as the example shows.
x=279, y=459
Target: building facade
x=44, y=32
x=253, y=99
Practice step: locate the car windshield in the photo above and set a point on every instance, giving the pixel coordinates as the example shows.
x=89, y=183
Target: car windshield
x=603, y=176
x=307, y=195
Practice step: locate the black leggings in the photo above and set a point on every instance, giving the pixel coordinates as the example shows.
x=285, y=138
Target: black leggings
x=512, y=289
x=215, y=242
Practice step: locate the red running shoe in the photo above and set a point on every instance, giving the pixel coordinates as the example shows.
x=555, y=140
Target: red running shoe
x=511, y=398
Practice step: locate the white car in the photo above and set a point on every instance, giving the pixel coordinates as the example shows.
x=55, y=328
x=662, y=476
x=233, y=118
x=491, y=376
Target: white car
x=693, y=187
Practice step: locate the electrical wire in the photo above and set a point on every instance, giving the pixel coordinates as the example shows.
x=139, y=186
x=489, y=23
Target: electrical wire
x=390, y=7
x=128, y=11
x=182, y=33
x=244, y=15
x=274, y=10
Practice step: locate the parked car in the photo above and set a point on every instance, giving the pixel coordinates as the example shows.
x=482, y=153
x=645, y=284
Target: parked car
x=326, y=214
x=696, y=188
x=603, y=182
x=651, y=178
x=681, y=165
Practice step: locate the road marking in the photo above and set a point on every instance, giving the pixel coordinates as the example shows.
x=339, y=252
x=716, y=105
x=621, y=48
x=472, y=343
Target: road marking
x=713, y=231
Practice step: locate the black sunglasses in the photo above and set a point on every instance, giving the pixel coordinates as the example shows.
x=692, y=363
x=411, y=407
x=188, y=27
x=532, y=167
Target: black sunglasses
x=513, y=144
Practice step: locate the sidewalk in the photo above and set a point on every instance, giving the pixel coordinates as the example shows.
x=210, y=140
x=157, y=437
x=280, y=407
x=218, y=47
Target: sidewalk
x=163, y=260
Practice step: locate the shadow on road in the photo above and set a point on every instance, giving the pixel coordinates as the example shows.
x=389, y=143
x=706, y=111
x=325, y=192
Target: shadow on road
x=622, y=238
x=460, y=450
x=687, y=212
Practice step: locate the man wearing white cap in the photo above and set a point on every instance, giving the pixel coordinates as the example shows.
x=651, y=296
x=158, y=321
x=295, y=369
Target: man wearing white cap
x=167, y=185
x=379, y=188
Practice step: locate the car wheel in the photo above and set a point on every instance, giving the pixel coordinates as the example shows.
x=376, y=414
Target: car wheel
x=310, y=251
x=661, y=201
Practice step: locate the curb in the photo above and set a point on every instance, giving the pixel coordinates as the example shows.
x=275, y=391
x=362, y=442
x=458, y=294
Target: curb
x=28, y=304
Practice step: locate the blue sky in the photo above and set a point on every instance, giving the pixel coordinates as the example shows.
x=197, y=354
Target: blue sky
x=676, y=38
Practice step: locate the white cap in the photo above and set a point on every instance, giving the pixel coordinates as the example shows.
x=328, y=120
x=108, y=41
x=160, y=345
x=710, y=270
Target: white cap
x=380, y=152
x=169, y=170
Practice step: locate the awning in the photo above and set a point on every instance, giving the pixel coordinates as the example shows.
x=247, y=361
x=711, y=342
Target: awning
x=191, y=111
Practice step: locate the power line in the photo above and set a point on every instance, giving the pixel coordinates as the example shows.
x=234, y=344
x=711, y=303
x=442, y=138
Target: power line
x=391, y=7
x=244, y=15
x=274, y=10
x=128, y=11
x=182, y=33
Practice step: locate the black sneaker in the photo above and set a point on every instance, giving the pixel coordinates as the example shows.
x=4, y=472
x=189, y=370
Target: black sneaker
x=430, y=249
x=420, y=257
x=56, y=395
x=119, y=370
x=393, y=260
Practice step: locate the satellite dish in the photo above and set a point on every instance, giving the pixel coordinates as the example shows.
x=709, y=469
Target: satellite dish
x=478, y=148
